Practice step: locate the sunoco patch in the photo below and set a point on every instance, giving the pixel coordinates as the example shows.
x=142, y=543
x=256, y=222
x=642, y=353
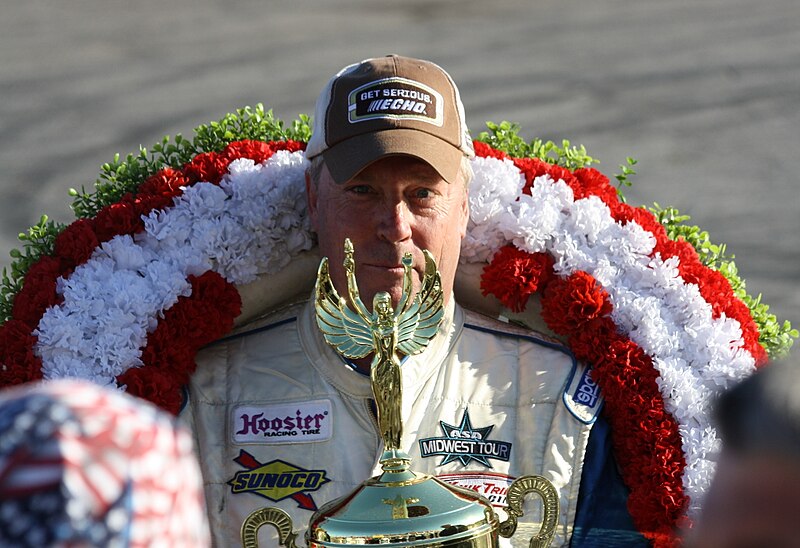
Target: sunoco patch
x=487, y=484
x=277, y=480
x=395, y=98
x=465, y=443
x=282, y=423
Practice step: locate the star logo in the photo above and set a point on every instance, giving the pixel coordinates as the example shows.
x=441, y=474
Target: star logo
x=465, y=443
x=466, y=431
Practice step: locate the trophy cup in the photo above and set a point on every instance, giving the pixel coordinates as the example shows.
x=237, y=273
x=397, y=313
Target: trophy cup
x=399, y=507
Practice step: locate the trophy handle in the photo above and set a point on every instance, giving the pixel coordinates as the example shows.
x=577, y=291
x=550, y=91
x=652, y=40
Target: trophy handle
x=272, y=516
x=550, y=507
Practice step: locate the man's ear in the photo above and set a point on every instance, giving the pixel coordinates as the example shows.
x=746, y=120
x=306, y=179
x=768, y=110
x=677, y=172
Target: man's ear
x=311, y=201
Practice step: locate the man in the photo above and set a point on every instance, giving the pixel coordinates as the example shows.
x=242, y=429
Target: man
x=282, y=420
x=755, y=495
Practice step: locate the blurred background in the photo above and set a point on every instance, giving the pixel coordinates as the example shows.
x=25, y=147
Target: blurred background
x=705, y=94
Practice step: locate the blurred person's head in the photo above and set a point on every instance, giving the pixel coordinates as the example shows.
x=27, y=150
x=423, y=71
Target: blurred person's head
x=754, y=499
x=82, y=465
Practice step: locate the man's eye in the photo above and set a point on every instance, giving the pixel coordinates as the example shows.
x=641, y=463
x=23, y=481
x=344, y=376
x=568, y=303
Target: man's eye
x=423, y=193
x=359, y=189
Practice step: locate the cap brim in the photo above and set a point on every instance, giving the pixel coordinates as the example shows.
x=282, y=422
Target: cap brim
x=344, y=160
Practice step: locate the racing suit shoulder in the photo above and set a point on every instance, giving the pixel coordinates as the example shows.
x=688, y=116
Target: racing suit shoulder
x=481, y=321
x=265, y=321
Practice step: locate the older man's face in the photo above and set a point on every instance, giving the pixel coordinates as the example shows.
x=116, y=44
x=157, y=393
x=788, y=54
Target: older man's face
x=396, y=205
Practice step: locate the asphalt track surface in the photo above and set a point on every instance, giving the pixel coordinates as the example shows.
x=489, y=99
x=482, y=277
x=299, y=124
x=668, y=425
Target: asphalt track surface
x=705, y=94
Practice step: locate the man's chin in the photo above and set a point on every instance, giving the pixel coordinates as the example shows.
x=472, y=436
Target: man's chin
x=394, y=289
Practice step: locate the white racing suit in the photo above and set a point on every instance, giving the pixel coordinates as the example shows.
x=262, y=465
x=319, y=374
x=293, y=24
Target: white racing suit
x=281, y=420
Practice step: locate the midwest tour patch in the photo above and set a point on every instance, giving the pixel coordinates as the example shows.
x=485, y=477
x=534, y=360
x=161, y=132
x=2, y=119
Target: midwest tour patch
x=465, y=443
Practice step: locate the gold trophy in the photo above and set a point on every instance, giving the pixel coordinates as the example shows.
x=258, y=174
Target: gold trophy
x=398, y=508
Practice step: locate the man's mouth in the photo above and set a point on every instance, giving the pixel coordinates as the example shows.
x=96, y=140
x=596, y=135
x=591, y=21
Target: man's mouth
x=394, y=271
x=390, y=268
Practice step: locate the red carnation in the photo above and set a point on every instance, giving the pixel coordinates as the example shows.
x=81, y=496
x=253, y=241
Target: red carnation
x=144, y=205
x=207, y=167
x=18, y=363
x=514, y=275
x=593, y=183
x=76, y=243
x=166, y=182
x=626, y=213
x=121, y=217
x=213, y=289
x=154, y=385
x=690, y=268
x=210, y=310
x=38, y=291
x=258, y=151
x=533, y=168
x=202, y=317
x=288, y=144
x=715, y=289
x=646, y=439
x=569, y=303
x=620, y=354
x=168, y=350
x=590, y=343
x=750, y=332
x=627, y=364
x=485, y=151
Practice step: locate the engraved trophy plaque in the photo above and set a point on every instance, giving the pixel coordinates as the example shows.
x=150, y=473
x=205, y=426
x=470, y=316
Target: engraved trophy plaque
x=399, y=507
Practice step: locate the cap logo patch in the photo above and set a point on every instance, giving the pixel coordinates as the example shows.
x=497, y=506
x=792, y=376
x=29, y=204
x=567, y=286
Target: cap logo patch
x=395, y=98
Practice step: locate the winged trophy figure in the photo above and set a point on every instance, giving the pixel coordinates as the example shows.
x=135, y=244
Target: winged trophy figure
x=356, y=332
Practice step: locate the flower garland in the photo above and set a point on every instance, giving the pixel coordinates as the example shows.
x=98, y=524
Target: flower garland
x=128, y=296
x=663, y=333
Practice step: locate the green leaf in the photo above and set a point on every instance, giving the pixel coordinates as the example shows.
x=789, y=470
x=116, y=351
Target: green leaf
x=37, y=242
x=506, y=136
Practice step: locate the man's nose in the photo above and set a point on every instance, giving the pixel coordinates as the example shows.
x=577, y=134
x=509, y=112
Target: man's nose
x=394, y=223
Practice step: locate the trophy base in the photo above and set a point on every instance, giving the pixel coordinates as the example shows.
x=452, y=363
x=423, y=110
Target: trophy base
x=418, y=511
